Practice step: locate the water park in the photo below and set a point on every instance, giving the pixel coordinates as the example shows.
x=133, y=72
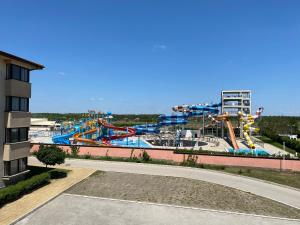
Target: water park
x=169, y=131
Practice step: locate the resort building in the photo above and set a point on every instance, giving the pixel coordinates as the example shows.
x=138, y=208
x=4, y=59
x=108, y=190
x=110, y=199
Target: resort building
x=15, y=92
x=43, y=124
x=234, y=101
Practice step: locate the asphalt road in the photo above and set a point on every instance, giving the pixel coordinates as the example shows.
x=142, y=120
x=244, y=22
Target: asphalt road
x=275, y=192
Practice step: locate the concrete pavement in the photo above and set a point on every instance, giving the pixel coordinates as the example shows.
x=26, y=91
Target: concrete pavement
x=92, y=210
x=16, y=209
x=275, y=192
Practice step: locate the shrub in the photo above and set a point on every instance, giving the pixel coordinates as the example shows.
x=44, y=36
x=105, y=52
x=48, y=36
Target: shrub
x=57, y=174
x=13, y=192
x=191, y=161
x=146, y=156
x=87, y=156
x=74, y=150
x=51, y=155
x=293, y=144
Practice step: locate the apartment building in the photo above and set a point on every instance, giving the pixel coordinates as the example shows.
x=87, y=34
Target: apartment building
x=15, y=92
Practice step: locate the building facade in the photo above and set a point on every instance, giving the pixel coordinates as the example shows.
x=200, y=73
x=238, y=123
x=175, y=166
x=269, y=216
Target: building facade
x=234, y=101
x=15, y=92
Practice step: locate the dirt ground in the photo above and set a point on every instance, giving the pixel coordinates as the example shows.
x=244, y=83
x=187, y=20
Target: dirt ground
x=179, y=191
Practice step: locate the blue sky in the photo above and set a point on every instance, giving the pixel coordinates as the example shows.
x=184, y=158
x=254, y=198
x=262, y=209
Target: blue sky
x=146, y=56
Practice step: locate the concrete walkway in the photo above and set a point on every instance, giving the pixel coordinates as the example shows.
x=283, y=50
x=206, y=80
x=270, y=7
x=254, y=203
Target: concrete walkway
x=275, y=192
x=75, y=209
x=15, y=210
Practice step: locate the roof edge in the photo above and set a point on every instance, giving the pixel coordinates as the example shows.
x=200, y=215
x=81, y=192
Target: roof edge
x=17, y=58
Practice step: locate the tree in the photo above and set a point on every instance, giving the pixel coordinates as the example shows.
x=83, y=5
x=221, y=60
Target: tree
x=51, y=155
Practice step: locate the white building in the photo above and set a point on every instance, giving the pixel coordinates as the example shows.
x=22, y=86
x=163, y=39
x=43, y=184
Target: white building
x=234, y=101
x=43, y=124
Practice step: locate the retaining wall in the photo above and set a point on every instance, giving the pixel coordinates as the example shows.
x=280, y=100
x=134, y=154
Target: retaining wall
x=168, y=154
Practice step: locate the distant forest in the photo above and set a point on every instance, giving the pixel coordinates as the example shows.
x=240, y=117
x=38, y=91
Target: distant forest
x=61, y=117
x=280, y=124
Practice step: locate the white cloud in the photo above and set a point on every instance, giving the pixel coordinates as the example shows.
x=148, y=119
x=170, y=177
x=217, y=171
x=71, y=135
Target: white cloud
x=159, y=47
x=100, y=99
x=61, y=74
x=92, y=99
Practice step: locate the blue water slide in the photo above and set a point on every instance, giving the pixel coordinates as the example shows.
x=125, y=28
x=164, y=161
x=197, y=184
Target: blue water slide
x=173, y=117
x=152, y=128
x=177, y=119
x=172, y=122
x=203, y=108
x=145, y=130
x=65, y=138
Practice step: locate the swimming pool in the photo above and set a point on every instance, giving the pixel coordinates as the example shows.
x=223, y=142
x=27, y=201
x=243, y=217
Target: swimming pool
x=260, y=152
x=131, y=143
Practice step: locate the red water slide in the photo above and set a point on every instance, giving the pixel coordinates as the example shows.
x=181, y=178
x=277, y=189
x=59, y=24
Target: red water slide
x=129, y=132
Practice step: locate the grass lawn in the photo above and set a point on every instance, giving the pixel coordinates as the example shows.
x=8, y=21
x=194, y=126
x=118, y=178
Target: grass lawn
x=281, y=177
x=276, y=144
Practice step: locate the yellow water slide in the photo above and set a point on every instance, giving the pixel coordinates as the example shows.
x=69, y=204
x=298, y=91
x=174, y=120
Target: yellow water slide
x=248, y=120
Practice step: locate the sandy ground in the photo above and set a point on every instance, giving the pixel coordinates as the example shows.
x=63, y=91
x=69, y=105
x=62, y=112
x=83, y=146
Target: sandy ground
x=179, y=191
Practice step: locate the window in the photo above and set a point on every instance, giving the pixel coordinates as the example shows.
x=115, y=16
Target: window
x=23, y=134
x=16, y=134
x=24, y=104
x=15, y=166
x=22, y=164
x=17, y=104
x=24, y=75
x=17, y=73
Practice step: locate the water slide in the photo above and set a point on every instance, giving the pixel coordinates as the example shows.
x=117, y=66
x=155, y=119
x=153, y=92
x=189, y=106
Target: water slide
x=177, y=119
x=106, y=140
x=65, y=138
x=225, y=117
x=78, y=137
x=163, y=120
x=248, y=120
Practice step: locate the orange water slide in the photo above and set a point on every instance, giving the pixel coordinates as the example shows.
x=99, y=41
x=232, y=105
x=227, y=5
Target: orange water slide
x=225, y=118
x=78, y=137
x=105, y=141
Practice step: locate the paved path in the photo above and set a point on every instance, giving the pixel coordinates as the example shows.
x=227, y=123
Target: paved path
x=15, y=210
x=92, y=210
x=278, y=193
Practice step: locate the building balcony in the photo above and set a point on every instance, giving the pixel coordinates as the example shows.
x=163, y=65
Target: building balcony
x=16, y=150
x=17, y=88
x=235, y=97
x=17, y=119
